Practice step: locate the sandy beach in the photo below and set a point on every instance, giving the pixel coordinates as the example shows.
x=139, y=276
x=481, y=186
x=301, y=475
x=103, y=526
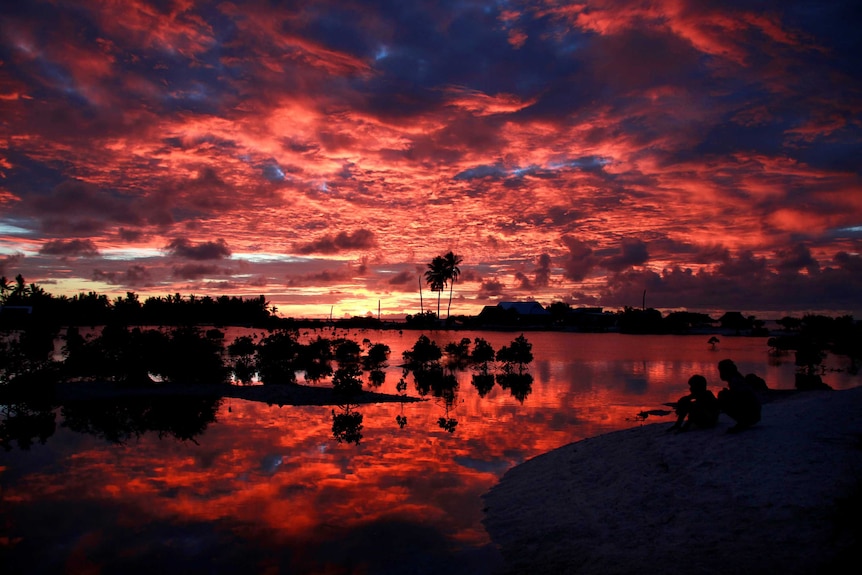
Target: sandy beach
x=782, y=497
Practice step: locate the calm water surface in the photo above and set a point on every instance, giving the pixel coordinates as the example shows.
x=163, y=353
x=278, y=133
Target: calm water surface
x=267, y=489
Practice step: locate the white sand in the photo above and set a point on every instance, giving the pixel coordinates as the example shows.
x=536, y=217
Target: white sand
x=783, y=497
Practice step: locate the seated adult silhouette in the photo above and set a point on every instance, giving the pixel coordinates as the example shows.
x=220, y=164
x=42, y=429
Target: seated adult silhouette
x=698, y=409
x=738, y=400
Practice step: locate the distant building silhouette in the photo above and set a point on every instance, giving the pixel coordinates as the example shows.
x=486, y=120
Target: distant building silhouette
x=512, y=313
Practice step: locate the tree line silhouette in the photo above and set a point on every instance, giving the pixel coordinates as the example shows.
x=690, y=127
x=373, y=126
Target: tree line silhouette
x=25, y=303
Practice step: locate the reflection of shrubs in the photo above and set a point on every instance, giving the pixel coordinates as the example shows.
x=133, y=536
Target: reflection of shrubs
x=433, y=380
x=520, y=385
x=483, y=382
x=117, y=421
x=347, y=426
x=22, y=423
x=376, y=377
x=447, y=423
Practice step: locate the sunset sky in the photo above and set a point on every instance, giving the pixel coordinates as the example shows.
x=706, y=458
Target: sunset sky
x=322, y=153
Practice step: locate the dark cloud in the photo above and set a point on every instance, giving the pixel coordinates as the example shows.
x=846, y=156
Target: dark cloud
x=404, y=278
x=343, y=241
x=79, y=208
x=324, y=277
x=543, y=271
x=131, y=236
x=728, y=287
x=490, y=289
x=796, y=258
x=580, y=260
x=70, y=248
x=745, y=265
x=183, y=248
x=9, y=263
x=632, y=252
x=134, y=276
x=198, y=271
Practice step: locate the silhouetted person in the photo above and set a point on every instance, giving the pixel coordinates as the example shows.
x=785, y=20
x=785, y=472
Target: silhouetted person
x=699, y=408
x=738, y=400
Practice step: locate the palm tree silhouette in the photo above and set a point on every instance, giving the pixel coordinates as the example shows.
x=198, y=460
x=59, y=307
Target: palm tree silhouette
x=437, y=276
x=452, y=273
x=5, y=286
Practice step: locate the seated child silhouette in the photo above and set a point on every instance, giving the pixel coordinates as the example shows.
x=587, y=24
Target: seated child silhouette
x=699, y=408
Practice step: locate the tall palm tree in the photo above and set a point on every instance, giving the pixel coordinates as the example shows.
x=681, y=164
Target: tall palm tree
x=5, y=287
x=452, y=273
x=19, y=292
x=436, y=276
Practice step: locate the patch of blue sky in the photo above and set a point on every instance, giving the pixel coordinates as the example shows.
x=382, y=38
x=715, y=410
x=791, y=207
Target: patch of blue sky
x=16, y=251
x=586, y=163
x=382, y=52
x=267, y=257
x=126, y=254
x=13, y=230
x=845, y=232
x=273, y=173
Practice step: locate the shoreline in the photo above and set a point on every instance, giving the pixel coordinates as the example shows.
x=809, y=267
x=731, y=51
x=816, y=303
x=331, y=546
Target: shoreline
x=783, y=497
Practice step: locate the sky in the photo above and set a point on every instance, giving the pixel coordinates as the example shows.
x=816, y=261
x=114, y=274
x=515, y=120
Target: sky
x=684, y=154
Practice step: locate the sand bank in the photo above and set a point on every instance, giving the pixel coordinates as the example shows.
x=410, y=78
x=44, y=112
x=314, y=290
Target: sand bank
x=783, y=497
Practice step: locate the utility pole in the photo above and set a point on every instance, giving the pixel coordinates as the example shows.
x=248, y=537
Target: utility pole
x=421, y=305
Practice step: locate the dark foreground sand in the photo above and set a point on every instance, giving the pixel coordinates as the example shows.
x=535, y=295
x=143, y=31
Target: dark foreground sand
x=784, y=497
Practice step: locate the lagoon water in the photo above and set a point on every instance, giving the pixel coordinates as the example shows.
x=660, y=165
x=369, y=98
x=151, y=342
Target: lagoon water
x=267, y=489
